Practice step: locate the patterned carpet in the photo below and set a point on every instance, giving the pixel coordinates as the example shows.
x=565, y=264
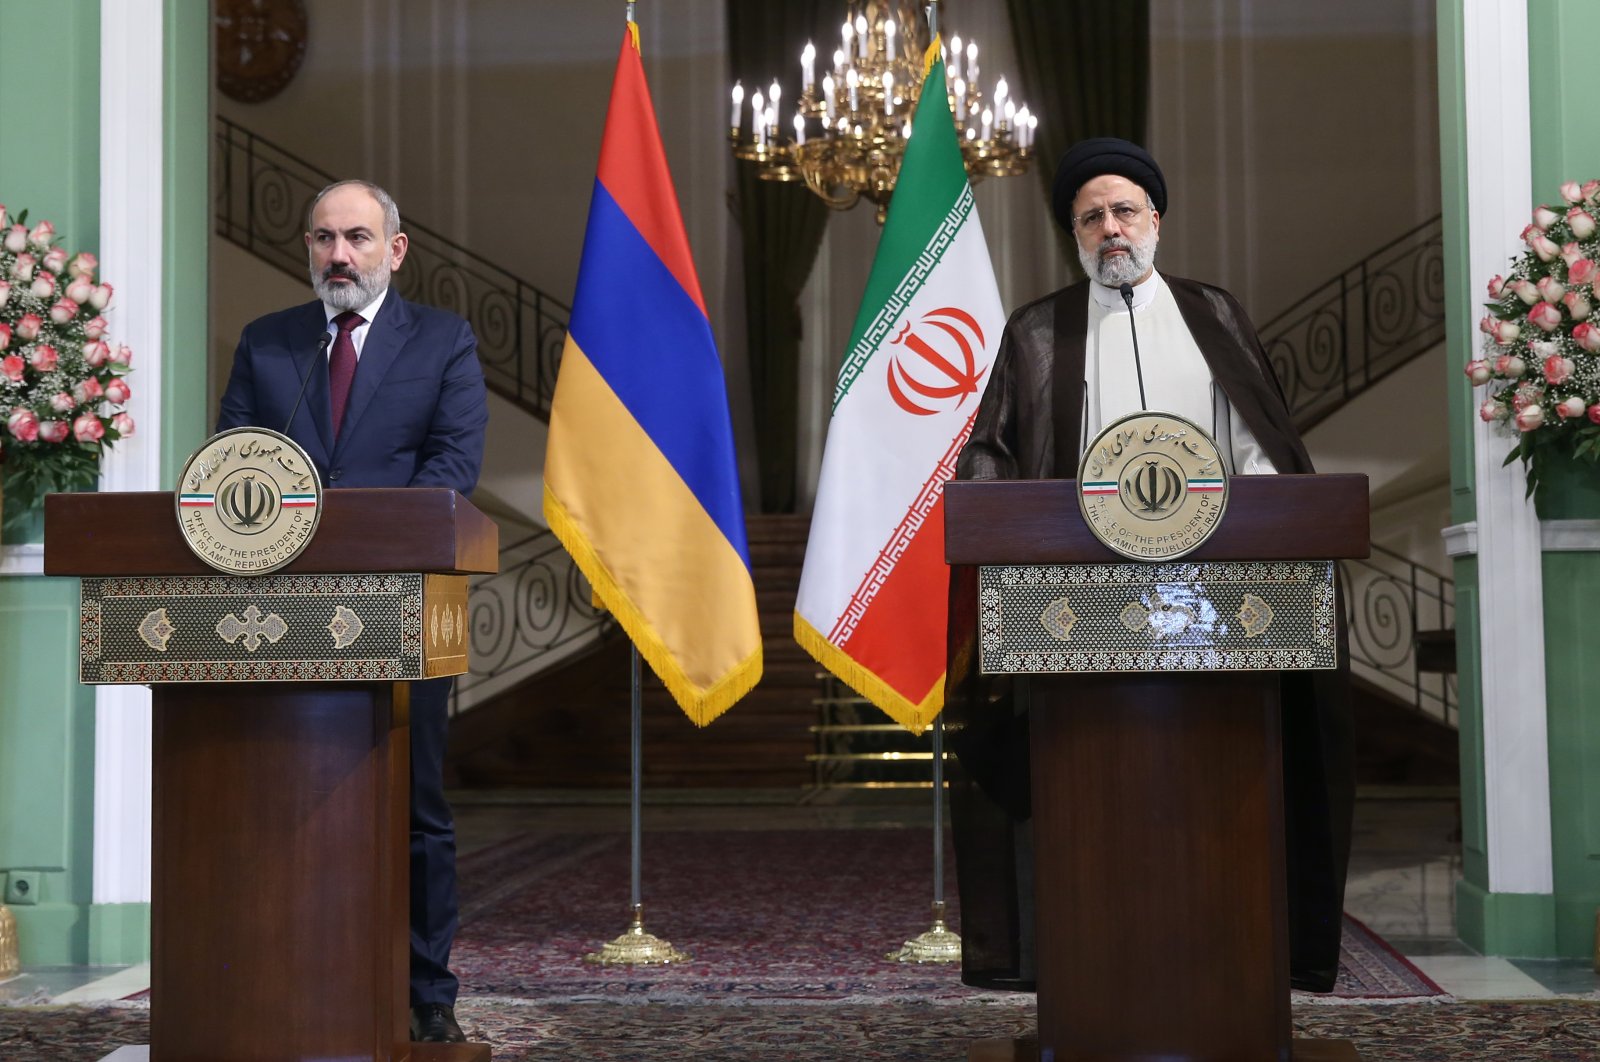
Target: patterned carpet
x=778, y=915
x=1567, y=1031
x=787, y=932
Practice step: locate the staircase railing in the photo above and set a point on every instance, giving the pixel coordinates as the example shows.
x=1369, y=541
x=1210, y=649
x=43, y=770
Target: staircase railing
x=1360, y=326
x=536, y=610
x=263, y=192
x=1394, y=607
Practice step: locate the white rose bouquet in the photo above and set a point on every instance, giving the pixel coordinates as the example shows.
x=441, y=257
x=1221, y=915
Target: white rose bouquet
x=1541, y=354
x=60, y=378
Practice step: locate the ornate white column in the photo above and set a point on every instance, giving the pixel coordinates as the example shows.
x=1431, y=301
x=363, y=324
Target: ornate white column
x=131, y=258
x=1511, y=601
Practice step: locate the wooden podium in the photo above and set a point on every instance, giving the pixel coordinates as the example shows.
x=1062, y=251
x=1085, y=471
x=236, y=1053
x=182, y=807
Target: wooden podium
x=281, y=773
x=1161, y=914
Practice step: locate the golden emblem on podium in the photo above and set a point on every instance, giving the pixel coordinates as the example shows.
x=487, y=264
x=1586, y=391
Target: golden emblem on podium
x=1152, y=486
x=249, y=501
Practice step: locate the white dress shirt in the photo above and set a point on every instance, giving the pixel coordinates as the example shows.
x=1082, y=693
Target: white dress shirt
x=1176, y=376
x=358, y=334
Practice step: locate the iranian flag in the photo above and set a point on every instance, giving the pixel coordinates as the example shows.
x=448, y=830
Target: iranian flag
x=872, y=599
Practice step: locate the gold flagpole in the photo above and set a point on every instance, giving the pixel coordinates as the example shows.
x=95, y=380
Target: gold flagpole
x=636, y=947
x=938, y=944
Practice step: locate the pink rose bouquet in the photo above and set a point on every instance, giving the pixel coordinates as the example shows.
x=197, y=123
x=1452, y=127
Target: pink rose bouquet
x=61, y=380
x=1540, y=357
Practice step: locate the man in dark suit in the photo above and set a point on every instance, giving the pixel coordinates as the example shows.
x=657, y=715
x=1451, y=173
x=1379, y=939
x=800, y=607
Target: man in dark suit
x=398, y=401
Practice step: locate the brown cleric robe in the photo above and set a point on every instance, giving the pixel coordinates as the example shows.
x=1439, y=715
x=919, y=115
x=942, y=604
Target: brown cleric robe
x=1029, y=426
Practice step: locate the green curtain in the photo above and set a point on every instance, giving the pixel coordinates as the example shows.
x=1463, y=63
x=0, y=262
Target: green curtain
x=1085, y=67
x=781, y=226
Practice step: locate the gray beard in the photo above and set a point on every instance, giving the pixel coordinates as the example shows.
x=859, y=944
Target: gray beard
x=1122, y=269
x=363, y=288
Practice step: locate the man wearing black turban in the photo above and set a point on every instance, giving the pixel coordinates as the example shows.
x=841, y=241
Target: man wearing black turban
x=1066, y=368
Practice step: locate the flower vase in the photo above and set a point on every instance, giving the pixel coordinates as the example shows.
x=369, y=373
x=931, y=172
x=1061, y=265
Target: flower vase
x=1568, y=489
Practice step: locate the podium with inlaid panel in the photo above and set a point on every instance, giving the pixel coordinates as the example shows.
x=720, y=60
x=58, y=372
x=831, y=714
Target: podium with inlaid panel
x=1161, y=914
x=281, y=759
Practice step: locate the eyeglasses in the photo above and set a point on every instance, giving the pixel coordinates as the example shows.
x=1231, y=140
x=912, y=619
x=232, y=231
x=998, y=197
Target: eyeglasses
x=1125, y=213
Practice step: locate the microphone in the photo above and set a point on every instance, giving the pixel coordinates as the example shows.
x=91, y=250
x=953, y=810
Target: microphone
x=322, y=350
x=1127, y=296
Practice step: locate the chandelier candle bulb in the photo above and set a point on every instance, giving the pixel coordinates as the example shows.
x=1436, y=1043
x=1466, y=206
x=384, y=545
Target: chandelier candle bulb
x=1033, y=124
x=846, y=130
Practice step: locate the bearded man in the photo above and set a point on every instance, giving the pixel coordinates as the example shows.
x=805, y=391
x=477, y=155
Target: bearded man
x=397, y=401
x=1067, y=368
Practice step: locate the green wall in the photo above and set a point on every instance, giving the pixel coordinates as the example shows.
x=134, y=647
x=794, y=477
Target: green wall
x=1566, y=146
x=46, y=718
x=187, y=212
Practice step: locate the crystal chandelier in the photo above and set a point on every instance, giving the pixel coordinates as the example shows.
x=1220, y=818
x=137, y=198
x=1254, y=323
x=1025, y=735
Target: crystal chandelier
x=850, y=129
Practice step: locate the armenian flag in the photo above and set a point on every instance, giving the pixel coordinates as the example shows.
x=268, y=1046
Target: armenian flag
x=872, y=602
x=640, y=479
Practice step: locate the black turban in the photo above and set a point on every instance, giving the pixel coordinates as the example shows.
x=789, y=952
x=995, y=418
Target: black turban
x=1088, y=159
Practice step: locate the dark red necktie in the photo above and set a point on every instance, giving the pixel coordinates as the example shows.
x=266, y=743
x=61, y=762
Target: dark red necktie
x=342, y=365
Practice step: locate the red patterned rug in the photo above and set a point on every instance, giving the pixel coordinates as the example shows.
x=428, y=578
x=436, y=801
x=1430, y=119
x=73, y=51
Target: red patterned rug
x=1564, y=1031
x=766, y=916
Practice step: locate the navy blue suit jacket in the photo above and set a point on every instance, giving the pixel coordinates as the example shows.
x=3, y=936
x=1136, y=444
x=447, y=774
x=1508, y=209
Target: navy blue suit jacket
x=417, y=410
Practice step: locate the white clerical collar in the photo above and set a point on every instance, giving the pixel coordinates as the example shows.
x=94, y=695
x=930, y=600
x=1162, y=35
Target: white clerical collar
x=369, y=312
x=1144, y=293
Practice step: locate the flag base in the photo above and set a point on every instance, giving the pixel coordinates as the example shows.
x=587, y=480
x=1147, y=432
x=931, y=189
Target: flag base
x=937, y=945
x=636, y=947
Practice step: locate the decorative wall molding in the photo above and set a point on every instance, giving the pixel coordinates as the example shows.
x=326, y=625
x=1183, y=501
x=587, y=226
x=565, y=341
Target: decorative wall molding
x=1461, y=540
x=26, y=559
x=1570, y=536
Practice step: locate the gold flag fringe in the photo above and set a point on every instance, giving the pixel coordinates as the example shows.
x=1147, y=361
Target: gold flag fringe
x=913, y=716
x=701, y=704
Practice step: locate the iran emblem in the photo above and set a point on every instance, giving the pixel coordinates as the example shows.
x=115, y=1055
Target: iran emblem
x=936, y=367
